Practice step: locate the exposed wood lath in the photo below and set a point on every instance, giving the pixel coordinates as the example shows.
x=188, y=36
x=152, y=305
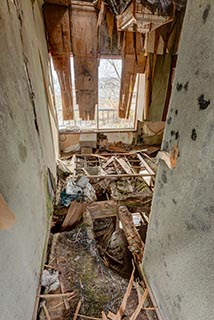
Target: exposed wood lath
x=138, y=18
x=133, y=62
x=84, y=42
x=58, y=31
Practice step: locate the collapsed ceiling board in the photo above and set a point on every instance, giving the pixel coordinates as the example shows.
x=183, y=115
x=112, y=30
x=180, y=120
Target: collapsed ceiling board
x=133, y=62
x=59, y=40
x=84, y=43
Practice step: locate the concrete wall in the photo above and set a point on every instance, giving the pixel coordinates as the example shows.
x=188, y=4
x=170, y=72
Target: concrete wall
x=26, y=152
x=178, y=261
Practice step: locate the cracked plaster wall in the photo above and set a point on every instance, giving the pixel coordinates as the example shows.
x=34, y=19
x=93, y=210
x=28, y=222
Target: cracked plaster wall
x=27, y=151
x=178, y=261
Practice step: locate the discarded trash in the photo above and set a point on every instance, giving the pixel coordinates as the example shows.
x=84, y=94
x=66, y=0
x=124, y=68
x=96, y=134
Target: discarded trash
x=67, y=199
x=80, y=190
x=89, y=193
x=73, y=215
x=72, y=188
x=63, y=167
x=136, y=217
x=50, y=280
x=72, y=148
x=82, y=182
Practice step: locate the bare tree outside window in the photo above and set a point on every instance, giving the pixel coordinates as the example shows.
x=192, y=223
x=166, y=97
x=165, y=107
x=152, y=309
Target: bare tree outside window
x=108, y=100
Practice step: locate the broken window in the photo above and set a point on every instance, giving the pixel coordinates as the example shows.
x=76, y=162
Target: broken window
x=106, y=116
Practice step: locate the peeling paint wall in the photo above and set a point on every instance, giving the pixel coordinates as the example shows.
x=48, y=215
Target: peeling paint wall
x=27, y=151
x=178, y=261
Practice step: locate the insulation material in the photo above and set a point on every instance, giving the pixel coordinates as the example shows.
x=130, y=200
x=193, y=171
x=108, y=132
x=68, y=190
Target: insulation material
x=133, y=62
x=58, y=30
x=84, y=42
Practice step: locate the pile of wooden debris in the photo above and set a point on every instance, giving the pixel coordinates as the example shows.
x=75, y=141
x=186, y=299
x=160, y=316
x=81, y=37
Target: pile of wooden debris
x=93, y=265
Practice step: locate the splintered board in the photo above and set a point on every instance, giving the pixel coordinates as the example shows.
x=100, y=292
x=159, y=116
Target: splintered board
x=133, y=62
x=84, y=42
x=58, y=29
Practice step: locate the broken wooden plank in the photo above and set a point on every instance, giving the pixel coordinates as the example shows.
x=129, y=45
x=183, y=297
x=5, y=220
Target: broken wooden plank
x=65, y=300
x=102, y=209
x=127, y=153
x=88, y=317
x=74, y=214
x=136, y=246
x=145, y=165
x=145, y=168
x=47, y=314
x=121, y=175
x=131, y=167
x=124, y=165
x=84, y=42
x=108, y=162
x=122, y=307
x=116, y=149
x=77, y=310
x=148, y=87
x=61, y=303
x=140, y=305
x=48, y=91
x=7, y=218
x=111, y=315
x=133, y=62
x=101, y=14
x=57, y=295
x=91, y=155
x=104, y=317
x=57, y=23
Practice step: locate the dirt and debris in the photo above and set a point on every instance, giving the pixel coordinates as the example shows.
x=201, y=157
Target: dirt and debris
x=74, y=255
x=50, y=280
x=97, y=238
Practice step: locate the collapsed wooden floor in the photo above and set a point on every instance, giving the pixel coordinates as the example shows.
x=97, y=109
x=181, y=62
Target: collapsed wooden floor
x=96, y=245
